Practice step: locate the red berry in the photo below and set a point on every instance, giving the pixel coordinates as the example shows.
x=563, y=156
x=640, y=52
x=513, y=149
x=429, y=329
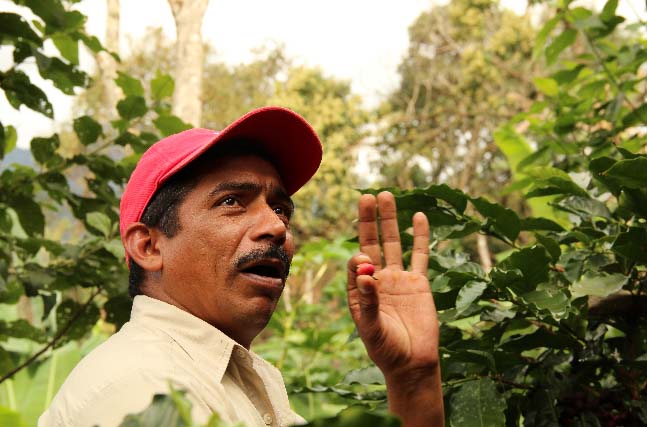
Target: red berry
x=365, y=269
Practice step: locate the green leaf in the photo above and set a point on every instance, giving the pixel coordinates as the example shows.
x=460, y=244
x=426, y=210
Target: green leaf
x=585, y=208
x=65, y=77
x=162, y=86
x=478, y=404
x=547, y=86
x=170, y=125
x=529, y=224
x=8, y=139
x=87, y=129
x=44, y=148
x=609, y=10
x=129, y=85
x=551, y=245
x=118, y=309
x=162, y=411
x=132, y=107
x=30, y=215
x=82, y=319
x=560, y=43
x=514, y=146
x=353, y=416
x=542, y=409
x=503, y=221
x=551, y=299
x=599, y=285
x=20, y=91
x=16, y=28
x=567, y=75
x=635, y=117
x=541, y=338
x=456, y=198
x=68, y=47
x=115, y=247
x=468, y=294
x=631, y=173
x=365, y=376
x=632, y=245
x=543, y=34
x=21, y=329
x=533, y=263
x=100, y=222
x=549, y=180
x=92, y=42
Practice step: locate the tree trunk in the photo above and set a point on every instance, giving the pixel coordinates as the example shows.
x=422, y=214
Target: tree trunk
x=107, y=64
x=188, y=15
x=484, y=252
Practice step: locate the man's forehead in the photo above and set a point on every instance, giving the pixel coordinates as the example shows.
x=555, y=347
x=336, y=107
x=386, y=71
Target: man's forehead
x=251, y=169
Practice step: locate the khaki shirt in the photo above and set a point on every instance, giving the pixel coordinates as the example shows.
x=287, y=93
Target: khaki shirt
x=163, y=344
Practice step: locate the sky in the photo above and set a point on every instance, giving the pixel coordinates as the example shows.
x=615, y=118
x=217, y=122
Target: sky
x=362, y=41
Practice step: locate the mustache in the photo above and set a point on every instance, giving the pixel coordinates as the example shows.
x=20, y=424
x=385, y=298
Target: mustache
x=273, y=251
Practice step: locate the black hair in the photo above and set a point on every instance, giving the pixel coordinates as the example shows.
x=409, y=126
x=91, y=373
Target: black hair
x=162, y=212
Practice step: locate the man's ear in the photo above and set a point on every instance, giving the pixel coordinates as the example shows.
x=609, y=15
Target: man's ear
x=142, y=245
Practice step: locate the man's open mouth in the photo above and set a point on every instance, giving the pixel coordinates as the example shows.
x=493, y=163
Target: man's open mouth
x=266, y=268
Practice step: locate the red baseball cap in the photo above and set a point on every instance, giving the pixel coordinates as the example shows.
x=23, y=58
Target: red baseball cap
x=284, y=135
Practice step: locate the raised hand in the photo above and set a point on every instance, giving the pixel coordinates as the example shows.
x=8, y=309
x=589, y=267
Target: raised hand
x=394, y=311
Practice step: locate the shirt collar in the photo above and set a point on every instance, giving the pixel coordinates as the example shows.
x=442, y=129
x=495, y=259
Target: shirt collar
x=203, y=343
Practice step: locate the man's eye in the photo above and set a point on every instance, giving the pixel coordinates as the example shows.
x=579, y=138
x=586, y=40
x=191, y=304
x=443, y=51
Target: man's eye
x=229, y=201
x=282, y=211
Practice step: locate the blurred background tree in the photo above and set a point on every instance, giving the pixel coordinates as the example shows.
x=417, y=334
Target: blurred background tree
x=468, y=70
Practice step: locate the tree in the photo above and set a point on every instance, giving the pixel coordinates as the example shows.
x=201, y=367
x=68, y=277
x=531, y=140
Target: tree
x=467, y=71
x=107, y=64
x=188, y=16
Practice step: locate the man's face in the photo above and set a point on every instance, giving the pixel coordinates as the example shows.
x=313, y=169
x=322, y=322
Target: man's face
x=228, y=263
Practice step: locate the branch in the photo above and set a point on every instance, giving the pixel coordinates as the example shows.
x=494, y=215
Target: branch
x=54, y=340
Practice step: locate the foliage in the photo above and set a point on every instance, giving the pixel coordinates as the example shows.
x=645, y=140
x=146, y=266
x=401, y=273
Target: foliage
x=54, y=290
x=174, y=410
x=555, y=333
x=468, y=70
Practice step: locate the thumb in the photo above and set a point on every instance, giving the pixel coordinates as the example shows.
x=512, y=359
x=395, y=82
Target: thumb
x=369, y=302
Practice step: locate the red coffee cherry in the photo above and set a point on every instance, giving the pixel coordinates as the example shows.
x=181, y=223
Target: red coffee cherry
x=365, y=269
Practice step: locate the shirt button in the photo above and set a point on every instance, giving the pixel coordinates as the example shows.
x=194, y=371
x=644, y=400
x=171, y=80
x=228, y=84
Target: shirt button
x=267, y=419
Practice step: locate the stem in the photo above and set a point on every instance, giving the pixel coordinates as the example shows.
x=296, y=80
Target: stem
x=54, y=340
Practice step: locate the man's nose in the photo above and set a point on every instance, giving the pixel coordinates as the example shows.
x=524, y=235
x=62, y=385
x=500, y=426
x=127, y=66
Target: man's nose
x=269, y=226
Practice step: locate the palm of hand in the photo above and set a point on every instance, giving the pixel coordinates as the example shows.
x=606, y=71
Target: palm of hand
x=394, y=311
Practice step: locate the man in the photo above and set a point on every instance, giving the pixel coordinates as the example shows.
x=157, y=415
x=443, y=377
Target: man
x=205, y=223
